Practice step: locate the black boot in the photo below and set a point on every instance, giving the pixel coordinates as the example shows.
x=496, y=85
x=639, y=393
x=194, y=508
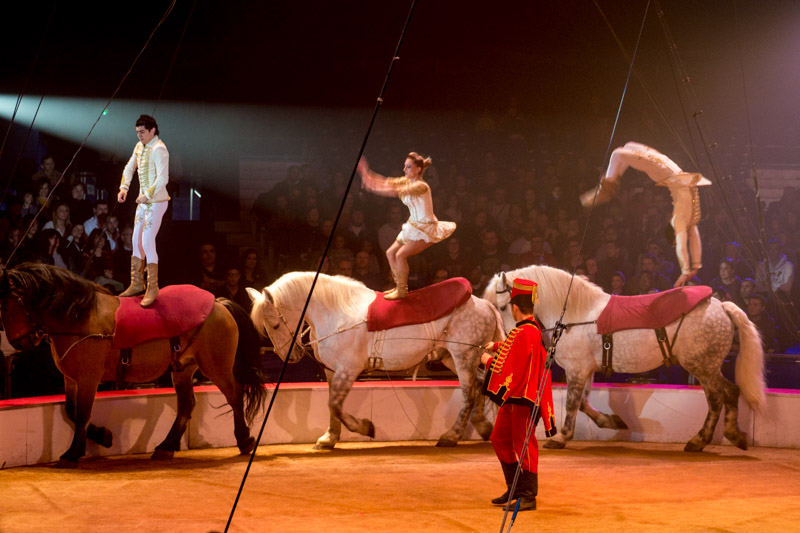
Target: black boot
x=509, y=471
x=527, y=489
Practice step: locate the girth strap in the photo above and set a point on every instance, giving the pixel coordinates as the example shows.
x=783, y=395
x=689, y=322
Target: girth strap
x=666, y=345
x=608, y=353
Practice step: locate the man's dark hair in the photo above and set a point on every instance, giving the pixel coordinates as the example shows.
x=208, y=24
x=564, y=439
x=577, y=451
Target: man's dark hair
x=523, y=301
x=148, y=122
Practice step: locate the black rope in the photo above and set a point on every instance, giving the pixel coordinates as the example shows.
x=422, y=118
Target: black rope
x=559, y=326
x=379, y=101
x=174, y=56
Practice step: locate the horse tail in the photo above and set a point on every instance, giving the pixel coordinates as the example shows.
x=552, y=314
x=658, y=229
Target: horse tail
x=247, y=367
x=750, y=362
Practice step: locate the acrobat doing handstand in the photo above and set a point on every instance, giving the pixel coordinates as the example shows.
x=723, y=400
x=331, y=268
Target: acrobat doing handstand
x=685, y=198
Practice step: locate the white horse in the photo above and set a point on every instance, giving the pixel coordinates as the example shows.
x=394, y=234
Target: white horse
x=701, y=346
x=337, y=316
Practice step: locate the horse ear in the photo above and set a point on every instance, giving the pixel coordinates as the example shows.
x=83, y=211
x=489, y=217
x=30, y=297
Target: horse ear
x=254, y=294
x=268, y=296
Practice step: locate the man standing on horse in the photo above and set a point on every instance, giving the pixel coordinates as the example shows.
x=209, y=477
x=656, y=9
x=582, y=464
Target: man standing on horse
x=151, y=159
x=513, y=376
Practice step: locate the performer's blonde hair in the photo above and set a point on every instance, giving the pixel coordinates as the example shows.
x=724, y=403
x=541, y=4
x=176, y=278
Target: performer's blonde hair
x=422, y=162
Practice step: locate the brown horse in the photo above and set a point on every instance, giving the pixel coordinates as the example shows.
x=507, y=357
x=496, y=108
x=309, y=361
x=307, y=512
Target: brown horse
x=76, y=316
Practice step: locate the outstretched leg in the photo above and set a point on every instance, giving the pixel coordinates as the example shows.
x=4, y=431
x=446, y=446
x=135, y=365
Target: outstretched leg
x=576, y=384
x=83, y=398
x=602, y=420
x=340, y=386
x=715, y=392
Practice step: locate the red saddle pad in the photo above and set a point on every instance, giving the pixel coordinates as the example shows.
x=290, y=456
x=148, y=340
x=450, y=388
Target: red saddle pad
x=178, y=308
x=649, y=311
x=423, y=305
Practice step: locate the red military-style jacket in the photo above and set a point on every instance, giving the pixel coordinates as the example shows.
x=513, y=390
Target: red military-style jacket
x=513, y=375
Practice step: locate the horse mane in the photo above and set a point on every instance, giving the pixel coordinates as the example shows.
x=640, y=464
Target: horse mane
x=345, y=295
x=553, y=284
x=61, y=293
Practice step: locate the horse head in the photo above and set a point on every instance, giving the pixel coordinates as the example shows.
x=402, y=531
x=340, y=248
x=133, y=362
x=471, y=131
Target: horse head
x=267, y=318
x=24, y=329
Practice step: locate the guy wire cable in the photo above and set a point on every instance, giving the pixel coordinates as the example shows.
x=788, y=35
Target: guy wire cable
x=379, y=101
x=174, y=57
x=113, y=95
x=789, y=317
x=19, y=100
x=559, y=326
x=721, y=176
x=21, y=151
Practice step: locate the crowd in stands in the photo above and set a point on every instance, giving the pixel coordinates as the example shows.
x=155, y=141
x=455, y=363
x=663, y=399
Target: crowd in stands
x=509, y=214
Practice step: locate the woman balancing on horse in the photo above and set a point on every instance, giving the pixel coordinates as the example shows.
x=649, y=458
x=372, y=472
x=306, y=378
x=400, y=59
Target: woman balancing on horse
x=422, y=228
x=685, y=198
x=151, y=159
x=512, y=381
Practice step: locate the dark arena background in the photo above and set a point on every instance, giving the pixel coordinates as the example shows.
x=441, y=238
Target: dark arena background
x=266, y=109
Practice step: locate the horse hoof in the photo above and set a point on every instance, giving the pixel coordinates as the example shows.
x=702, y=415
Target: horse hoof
x=693, y=447
x=618, y=422
x=162, y=455
x=738, y=439
x=446, y=443
x=100, y=435
x=552, y=444
x=324, y=446
x=484, y=429
x=66, y=464
x=370, y=431
x=247, y=446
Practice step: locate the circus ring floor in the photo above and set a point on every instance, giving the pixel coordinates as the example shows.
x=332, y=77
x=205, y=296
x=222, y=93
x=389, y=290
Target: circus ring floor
x=603, y=483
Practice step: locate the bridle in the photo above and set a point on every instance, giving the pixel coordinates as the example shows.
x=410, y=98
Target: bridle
x=506, y=289
x=298, y=343
x=34, y=335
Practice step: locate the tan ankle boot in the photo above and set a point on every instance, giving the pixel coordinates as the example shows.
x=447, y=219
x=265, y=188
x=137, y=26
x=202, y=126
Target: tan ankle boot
x=137, y=278
x=394, y=278
x=608, y=189
x=401, y=291
x=152, y=285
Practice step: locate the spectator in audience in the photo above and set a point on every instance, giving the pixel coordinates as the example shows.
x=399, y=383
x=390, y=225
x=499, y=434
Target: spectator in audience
x=60, y=220
x=112, y=231
x=363, y=273
x=490, y=258
x=340, y=250
x=590, y=267
x=122, y=255
x=729, y=282
x=72, y=248
x=99, y=262
x=758, y=315
x=440, y=275
x=97, y=220
x=47, y=172
x=617, y=285
x=252, y=275
x=80, y=208
x=612, y=263
x=537, y=255
x=655, y=280
x=208, y=274
x=572, y=257
x=357, y=230
x=779, y=276
x=29, y=205
x=388, y=232
x=746, y=290
x=344, y=267
x=232, y=288
x=27, y=248
x=43, y=200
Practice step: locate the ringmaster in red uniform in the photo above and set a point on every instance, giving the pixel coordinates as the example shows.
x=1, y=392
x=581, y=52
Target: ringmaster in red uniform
x=514, y=370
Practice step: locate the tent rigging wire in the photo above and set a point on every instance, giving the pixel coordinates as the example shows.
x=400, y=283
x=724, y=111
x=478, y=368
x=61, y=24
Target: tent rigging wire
x=174, y=56
x=19, y=102
x=379, y=101
x=559, y=327
x=99, y=116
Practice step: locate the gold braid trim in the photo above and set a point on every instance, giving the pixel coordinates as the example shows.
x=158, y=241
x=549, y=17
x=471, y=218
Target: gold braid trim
x=502, y=353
